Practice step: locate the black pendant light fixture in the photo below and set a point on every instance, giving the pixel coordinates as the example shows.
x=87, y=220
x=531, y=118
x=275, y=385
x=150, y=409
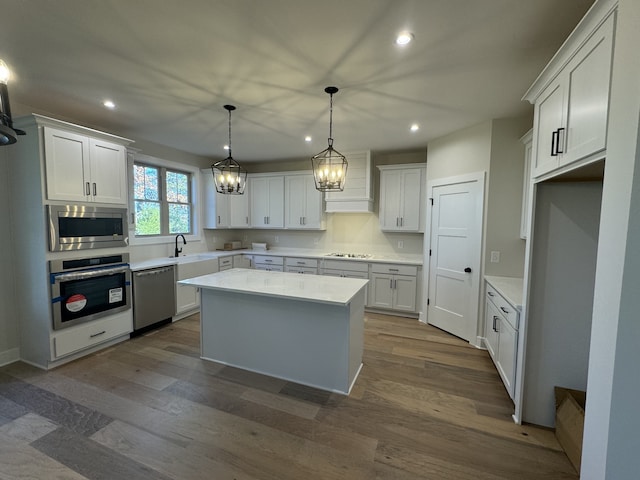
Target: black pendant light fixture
x=230, y=178
x=329, y=166
x=8, y=134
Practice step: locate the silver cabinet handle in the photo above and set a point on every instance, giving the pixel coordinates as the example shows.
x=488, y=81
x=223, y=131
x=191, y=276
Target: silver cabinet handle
x=490, y=294
x=393, y=269
x=87, y=189
x=391, y=283
x=98, y=334
x=495, y=319
x=246, y=221
x=95, y=189
x=560, y=137
x=397, y=222
x=504, y=310
x=218, y=218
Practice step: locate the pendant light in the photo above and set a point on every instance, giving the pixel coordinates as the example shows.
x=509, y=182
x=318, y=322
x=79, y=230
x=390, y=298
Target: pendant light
x=329, y=166
x=8, y=134
x=230, y=178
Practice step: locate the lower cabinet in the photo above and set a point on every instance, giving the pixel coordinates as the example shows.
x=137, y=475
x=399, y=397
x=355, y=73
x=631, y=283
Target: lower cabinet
x=268, y=263
x=501, y=336
x=307, y=266
x=393, y=287
x=187, y=298
x=346, y=269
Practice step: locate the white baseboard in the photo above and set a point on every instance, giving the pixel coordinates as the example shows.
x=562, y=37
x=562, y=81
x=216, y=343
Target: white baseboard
x=9, y=356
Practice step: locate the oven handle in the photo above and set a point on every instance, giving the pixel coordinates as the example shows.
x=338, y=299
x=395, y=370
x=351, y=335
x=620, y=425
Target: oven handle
x=64, y=277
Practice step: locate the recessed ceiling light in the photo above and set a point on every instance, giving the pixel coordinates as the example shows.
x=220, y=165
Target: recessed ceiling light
x=109, y=104
x=307, y=138
x=404, y=38
x=226, y=147
x=415, y=127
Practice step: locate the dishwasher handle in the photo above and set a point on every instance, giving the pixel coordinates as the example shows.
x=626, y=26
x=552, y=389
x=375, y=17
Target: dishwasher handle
x=154, y=271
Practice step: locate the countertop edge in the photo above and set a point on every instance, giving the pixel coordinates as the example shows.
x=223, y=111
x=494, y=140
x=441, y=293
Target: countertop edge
x=508, y=287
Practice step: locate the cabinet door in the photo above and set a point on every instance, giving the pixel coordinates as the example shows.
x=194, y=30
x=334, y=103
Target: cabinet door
x=507, y=347
x=410, y=185
x=548, y=119
x=589, y=77
x=381, y=290
x=259, y=202
x=215, y=205
x=66, y=165
x=239, y=209
x=314, y=210
x=275, y=217
x=295, y=188
x=492, y=317
x=389, y=209
x=404, y=293
x=108, y=172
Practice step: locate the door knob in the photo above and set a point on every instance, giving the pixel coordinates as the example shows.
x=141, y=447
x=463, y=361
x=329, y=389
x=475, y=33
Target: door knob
x=467, y=270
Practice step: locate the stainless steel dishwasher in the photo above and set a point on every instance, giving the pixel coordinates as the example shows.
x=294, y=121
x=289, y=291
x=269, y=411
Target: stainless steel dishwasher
x=154, y=297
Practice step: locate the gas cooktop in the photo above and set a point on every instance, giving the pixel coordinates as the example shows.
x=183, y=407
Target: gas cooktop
x=349, y=255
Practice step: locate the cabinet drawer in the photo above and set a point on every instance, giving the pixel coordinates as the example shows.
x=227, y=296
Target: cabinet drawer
x=269, y=268
x=305, y=270
x=269, y=260
x=301, y=262
x=510, y=313
x=225, y=263
x=87, y=335
x=346, y=265
x=391, y=269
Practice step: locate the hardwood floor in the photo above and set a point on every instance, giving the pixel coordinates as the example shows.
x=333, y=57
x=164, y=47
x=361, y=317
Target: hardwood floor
x=426, y=406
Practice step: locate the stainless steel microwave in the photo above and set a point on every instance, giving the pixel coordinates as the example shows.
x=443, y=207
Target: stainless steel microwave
x=80, y=227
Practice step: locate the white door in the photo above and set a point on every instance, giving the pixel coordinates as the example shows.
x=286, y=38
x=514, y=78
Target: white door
x=454, y=266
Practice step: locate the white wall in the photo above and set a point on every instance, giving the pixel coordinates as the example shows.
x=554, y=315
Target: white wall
x=611, y=441
x=9, y=342
x=504, y=197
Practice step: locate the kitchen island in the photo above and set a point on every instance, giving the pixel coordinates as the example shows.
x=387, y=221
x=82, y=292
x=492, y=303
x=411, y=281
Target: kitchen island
x=303, y=328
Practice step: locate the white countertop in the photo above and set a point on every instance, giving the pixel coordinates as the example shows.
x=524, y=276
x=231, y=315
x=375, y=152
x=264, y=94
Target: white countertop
x=311, y=288
x=408, y=259
x=509, y=287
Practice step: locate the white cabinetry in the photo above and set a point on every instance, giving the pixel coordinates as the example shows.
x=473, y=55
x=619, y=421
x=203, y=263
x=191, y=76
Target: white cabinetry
x=223, y=211
x=501, y=336
x=571, y=101
x=526, y=184
x=80, y=168
x=347, y=269
x=225, y=263
x=241, y=261
x=267, y=201
x=307, y=266
x=401, y=198
x=393, y=287
x=187, y=298
x=358, y=194
x=303, y=203
x=268, y=262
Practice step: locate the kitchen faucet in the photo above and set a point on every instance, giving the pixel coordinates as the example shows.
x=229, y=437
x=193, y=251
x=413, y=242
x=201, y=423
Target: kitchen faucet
x=177, y=251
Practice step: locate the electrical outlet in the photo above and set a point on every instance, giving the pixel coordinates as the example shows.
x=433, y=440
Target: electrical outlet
x=276, y=239
x=400, y=244
x=495, y=257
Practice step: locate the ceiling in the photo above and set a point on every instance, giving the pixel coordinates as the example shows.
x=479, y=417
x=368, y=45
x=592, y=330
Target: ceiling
x=170, y=67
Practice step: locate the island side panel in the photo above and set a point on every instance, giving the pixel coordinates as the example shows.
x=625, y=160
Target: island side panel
x=356, y=335
x=305, y=342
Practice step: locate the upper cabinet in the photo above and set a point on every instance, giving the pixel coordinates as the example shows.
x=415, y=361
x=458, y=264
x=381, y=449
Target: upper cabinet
x=80, y=168
x=401, y=198
x=223, y=211
x=526, y=184
x=303, y=203
x=571, y=98
x=267, y=201
x=358, y=194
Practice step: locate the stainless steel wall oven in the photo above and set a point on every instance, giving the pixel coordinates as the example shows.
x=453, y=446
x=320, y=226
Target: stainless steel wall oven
x=84, y=289
x=79, y=227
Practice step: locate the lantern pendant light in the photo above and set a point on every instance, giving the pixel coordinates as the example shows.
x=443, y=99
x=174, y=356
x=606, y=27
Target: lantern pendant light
x=8, y=134
x=329, y=166
x=229, y=177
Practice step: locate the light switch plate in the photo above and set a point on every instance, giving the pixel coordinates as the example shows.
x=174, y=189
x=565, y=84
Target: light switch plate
x=495, y=257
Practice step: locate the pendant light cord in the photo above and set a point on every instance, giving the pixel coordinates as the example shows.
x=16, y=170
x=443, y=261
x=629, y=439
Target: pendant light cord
x=330, y=139
x=230, y=133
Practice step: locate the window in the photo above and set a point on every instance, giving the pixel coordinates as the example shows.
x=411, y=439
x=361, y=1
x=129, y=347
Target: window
x=162, y=201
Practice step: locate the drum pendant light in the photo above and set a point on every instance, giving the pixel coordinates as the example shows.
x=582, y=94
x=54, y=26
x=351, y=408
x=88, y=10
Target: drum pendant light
x=329, y=166
x=229, y=177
